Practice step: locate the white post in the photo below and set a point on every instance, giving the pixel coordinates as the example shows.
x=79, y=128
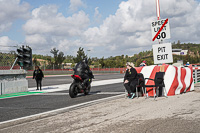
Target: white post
x=158, y=14
x=158, y=9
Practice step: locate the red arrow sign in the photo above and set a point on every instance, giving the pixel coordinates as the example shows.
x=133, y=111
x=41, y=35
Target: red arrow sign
x=160, y=29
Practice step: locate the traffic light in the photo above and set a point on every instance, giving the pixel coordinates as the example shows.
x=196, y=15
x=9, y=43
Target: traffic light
x=24, y=57
x=27, y=57
x=20, y=56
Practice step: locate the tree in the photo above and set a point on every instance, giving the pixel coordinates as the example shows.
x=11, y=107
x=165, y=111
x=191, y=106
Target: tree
x=138, y=62
x=35, y=62
x=58, y=58
x=101, y=61
x=54, y=51
x=80, y=55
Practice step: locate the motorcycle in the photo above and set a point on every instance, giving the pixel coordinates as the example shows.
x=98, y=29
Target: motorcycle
x=76, y=87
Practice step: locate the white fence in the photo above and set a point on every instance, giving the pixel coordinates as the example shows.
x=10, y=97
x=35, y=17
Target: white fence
x=196, y=74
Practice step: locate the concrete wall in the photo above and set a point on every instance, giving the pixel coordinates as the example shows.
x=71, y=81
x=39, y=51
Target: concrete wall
x=13, y=81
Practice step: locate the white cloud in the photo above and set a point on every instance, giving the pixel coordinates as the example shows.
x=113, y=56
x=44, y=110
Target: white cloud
x=75, y=5
x=10, y=11
x=5, y=42
x=97, y=15
x=47, y=28
x=130, y=27
x=128, y=31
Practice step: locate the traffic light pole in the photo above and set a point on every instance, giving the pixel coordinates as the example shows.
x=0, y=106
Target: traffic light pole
x=14, y=63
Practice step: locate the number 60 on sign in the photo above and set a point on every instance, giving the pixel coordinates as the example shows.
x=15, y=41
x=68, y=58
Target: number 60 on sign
x=160, y=29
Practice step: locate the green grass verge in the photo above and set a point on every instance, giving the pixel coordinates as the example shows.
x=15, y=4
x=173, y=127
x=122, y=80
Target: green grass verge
x=19, y=94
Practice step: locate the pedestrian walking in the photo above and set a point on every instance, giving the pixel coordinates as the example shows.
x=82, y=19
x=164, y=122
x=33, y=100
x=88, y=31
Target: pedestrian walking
x=38, y=76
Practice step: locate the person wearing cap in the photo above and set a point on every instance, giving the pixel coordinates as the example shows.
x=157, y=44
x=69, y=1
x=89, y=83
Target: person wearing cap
x=187, y=64
x=143, y=63
x=130, y=80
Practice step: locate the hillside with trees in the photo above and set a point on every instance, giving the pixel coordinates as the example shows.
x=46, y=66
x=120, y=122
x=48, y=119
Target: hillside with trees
x=118, y=61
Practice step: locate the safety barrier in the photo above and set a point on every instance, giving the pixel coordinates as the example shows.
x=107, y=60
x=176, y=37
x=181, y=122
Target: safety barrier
x=196, y=74
x=177, y=79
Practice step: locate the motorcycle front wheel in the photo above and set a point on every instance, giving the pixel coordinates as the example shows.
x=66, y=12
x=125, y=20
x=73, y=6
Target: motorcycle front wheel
x=73, y=90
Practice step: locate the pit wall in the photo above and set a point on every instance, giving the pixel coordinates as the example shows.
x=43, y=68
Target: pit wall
x=13, y=81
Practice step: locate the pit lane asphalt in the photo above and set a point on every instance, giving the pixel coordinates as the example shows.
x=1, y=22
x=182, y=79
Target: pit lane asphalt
x=18, y=107
x=66, y=79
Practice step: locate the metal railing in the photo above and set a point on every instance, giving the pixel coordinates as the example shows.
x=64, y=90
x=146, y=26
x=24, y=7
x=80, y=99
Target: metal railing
x=196, y=75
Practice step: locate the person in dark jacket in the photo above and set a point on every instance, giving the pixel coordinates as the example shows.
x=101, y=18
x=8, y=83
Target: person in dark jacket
x=83, y=70
x=130, y=80
x=38, y=76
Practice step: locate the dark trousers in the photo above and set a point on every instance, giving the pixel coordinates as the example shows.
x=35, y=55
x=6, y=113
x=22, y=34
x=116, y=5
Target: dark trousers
x=131, y=86
x=85, y=78
x=39, y=83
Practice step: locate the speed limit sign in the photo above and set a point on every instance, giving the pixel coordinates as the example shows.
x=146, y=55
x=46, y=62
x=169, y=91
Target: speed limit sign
x=160, y=29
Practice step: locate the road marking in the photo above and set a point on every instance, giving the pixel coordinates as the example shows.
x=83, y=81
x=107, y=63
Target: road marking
x=101, y=93
x=62, y=87
x=54, y=88
x=14, y=122
x=19, y=94
x=110, y=93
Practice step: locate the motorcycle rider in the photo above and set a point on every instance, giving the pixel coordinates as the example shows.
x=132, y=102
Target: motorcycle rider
x=83, y=70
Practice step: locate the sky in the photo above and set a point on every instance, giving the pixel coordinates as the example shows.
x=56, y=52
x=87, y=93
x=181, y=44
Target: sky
x=103, y=28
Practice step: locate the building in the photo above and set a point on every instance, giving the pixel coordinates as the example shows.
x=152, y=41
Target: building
x=179, y=52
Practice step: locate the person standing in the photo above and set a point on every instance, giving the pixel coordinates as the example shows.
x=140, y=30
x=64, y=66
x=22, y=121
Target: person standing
x=130, y=80
x=38, y=76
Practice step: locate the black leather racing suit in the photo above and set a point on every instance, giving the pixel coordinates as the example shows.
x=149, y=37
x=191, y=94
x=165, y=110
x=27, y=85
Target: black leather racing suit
x=83, y=70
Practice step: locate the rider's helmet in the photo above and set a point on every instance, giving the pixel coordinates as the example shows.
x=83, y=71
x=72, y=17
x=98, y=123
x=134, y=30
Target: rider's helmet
x=144, y=61
x=85, y=60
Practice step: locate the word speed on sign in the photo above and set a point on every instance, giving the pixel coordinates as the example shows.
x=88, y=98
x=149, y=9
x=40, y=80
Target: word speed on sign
x=162, y=53
x=160, y=29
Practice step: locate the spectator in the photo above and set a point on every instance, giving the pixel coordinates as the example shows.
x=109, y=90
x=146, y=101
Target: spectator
x=38, y=76
x=143, y=63
x=130, y=80
x=187, y=64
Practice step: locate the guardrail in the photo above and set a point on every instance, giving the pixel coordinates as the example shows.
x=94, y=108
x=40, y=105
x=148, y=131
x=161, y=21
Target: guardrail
x=196, y=74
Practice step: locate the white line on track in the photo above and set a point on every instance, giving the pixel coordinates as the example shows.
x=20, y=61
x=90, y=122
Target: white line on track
x=54, y=88
x=105, y=93
x=13, y=122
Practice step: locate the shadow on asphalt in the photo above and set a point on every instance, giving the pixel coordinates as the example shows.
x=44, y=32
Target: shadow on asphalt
x=46, y=88
x=91, y=93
